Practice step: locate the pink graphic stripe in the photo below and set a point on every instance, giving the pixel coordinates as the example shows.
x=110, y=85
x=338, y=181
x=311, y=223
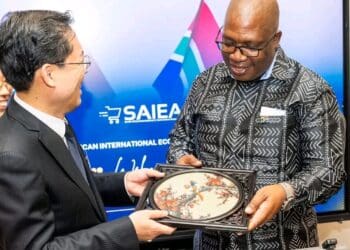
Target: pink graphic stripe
x=204, y=30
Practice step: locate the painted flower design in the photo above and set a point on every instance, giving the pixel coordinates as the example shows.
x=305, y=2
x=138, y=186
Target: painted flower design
x=197, y=195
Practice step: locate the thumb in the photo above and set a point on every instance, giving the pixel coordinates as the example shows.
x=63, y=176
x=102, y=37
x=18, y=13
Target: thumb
x=254, y=204
x=156, y=214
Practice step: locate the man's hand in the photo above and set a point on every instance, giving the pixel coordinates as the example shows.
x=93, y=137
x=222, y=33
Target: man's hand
x=146, y=227
x=136, y=181
x=265, y=204
x=190, y=160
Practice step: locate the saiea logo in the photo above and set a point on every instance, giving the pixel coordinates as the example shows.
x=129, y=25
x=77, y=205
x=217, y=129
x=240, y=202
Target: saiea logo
x=141, y=114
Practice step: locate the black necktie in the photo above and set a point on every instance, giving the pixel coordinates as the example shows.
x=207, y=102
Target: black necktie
x=74, y=149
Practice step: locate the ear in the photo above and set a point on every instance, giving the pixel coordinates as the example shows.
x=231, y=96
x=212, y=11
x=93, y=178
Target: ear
x=276, y=40
x=46, y=72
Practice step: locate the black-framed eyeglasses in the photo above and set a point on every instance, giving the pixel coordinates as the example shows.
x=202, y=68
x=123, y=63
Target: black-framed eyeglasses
x=229, y=47
x=86, y=62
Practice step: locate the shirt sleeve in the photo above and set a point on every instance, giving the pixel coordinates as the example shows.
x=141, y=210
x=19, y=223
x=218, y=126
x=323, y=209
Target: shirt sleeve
x=182, y=139
x=322, y=147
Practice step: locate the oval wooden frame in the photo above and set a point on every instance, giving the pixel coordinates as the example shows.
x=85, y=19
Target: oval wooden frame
x=178, y=173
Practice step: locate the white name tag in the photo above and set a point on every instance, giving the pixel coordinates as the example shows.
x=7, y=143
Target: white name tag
x=267, y=111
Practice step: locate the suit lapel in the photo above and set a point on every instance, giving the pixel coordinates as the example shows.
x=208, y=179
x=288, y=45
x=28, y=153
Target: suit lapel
x=60, y=152
x=55, y=145
x=92, y=183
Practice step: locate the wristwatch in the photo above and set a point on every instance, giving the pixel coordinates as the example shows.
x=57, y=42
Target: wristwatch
x=287, y=204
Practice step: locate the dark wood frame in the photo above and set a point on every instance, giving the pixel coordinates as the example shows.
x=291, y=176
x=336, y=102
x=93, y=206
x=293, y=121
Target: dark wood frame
x=236, y=221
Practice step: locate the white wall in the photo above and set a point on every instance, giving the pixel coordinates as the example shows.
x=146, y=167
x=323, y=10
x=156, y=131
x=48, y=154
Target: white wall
x=338, y=230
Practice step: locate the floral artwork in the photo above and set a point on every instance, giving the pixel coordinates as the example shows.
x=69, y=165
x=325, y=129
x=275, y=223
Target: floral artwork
x=197, y=195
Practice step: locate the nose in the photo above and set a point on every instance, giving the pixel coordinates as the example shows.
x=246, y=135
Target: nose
x=237, y=56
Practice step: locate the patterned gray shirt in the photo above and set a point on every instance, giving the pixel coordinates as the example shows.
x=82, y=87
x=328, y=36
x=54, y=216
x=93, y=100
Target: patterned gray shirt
x=288, y=128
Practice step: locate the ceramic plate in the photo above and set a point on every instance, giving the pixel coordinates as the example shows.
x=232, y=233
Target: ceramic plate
x=201, y=195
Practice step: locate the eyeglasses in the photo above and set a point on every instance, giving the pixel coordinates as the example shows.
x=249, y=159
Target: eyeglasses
x=86, y=62
x=229, y=47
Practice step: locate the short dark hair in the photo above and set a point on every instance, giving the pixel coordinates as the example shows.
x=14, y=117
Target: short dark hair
x=29, y=39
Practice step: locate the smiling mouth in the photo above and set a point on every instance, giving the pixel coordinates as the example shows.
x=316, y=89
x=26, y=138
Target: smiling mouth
x=239, y=70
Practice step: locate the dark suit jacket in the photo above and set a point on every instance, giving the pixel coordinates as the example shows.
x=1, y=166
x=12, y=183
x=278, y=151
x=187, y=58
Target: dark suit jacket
x=45, y=202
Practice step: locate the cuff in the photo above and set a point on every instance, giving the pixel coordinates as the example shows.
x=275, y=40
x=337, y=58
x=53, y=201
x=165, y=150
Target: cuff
x=290, y=195
x=132, y=198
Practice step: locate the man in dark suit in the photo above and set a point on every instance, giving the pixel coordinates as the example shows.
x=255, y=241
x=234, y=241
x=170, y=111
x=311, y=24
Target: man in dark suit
x=49, y=197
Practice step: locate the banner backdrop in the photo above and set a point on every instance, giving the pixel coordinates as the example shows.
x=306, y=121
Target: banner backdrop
x=145, y=56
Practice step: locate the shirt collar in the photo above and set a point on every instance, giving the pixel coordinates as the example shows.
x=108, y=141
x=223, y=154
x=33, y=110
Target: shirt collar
x=268, y=72
x=56, y=124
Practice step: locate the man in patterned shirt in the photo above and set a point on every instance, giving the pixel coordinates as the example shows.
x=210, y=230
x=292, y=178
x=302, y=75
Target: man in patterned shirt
x=261, y=110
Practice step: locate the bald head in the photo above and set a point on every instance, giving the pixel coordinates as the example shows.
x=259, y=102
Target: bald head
x=250, y=25
x=254, y=14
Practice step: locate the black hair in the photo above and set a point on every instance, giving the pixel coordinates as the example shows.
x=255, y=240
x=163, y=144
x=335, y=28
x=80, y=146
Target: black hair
x=31, y=38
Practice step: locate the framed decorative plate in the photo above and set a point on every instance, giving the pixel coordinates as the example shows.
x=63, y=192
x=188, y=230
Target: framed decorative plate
x=197, y=195
x=205, y=198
